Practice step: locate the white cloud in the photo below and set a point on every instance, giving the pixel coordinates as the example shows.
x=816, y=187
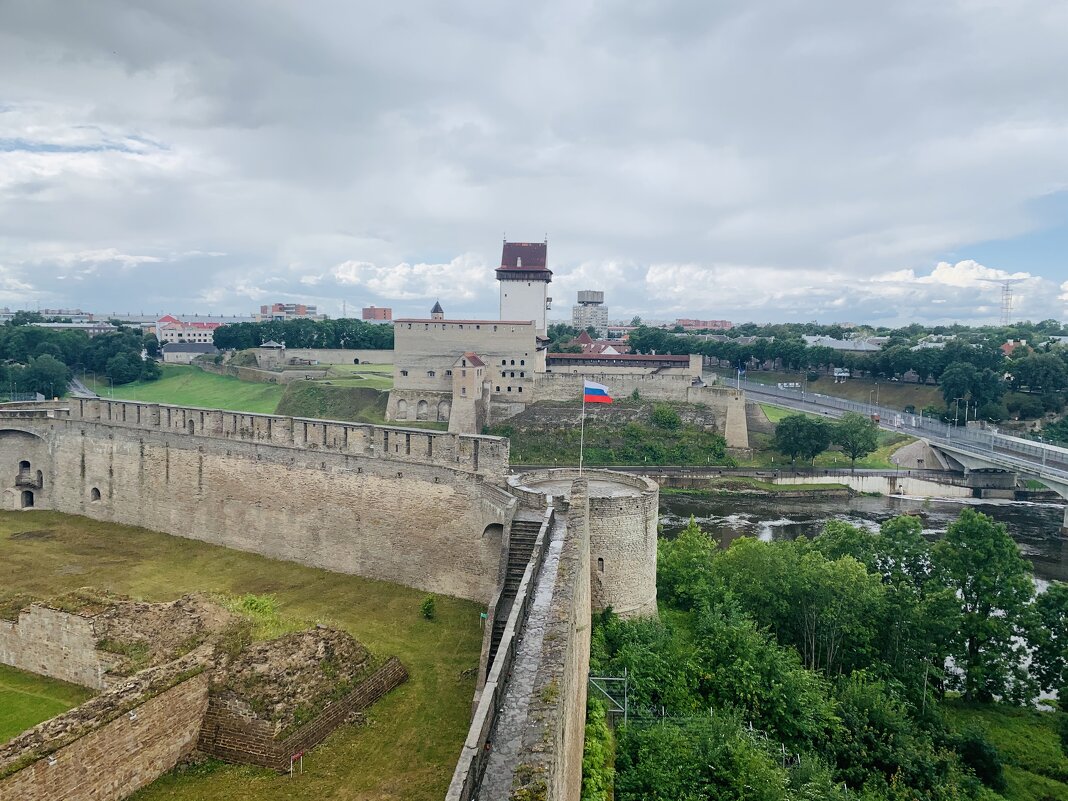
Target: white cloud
x=771, y=159
x=464, y=279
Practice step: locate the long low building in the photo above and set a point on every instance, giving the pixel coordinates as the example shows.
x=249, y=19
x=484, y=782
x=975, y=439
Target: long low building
x=622, y=362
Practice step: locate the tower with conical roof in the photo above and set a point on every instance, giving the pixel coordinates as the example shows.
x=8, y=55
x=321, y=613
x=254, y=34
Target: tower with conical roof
x=437, y=313
x=524, y=277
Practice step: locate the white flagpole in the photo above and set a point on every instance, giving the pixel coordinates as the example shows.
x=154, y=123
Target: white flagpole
x=582, y=430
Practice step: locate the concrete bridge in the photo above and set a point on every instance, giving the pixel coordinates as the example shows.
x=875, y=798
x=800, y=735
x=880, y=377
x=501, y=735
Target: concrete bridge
x=988, y=458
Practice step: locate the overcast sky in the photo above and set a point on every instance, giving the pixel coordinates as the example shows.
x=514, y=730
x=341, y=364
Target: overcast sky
x=779, y=160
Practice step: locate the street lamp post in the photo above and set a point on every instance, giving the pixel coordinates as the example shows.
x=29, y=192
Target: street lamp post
x=956, y=410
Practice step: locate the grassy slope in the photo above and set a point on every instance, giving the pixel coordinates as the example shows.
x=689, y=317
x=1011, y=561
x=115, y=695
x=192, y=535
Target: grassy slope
x=26, y=699
x=414, y=735
x=1035, y=766
x=893, y=394
x=765, y=456
x=358, y=404
x=191, y=386
x=373, y=376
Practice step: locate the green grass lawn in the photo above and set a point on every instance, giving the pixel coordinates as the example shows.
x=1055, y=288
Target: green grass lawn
x=892, y=394
x=26, y=699
x=1036, y=769
x=764, y=455
x=184, y=385
x=412, y=739
x=372, y=376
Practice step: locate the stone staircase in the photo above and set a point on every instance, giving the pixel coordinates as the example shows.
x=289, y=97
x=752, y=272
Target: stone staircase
x=520, y=547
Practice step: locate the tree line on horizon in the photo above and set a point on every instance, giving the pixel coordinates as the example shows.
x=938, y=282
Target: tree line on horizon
x=341, y=333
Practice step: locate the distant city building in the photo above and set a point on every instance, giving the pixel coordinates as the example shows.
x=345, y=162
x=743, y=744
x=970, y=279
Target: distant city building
x=179, y=331
x=841, y=345
x=288, y=311
x=591, y=345
x=1011, y=346
x=189, y=319
x=92, y=329
x=524, y=278
x=74, y=315
x=704, y=325
x=590, y=311
x=377, y=314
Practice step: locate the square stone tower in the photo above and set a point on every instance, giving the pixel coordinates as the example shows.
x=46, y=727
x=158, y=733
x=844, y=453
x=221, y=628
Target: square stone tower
x=524, y=277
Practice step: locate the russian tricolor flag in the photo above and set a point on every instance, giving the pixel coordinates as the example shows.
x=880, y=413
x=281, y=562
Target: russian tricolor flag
x=593, y=392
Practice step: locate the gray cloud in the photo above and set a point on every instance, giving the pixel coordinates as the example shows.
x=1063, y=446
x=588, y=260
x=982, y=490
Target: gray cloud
x=728, y=160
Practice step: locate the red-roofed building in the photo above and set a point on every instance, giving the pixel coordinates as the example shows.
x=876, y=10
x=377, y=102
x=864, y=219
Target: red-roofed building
x=178, y=331
x=1011, y=346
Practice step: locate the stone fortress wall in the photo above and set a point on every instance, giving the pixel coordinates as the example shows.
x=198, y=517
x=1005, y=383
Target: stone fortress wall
x=57, y=644
x=403, y=505
x=622, y=525
x=422, y=508
x=115, y=743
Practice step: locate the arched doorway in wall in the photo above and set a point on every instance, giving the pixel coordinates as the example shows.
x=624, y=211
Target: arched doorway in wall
x=422, y=410
x=493, y=531
x=94, y=494
x=24, y=470
x=189, y=426
x=27, y=499
x=443, y=411
x=402, y=410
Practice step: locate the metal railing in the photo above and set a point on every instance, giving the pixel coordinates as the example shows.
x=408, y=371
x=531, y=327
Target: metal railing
x=988, y=443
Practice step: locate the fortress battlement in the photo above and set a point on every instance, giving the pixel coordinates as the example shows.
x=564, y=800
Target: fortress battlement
x=472, y=453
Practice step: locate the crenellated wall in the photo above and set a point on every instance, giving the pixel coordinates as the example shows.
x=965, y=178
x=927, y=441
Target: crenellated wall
x=401, y=505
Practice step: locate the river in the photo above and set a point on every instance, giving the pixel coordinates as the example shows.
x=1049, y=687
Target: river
x=1034, y=526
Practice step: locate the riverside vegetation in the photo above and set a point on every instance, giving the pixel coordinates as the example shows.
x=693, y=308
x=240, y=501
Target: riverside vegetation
x=875, y=667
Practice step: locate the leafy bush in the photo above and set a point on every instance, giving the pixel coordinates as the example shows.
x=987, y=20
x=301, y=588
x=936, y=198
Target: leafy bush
x=427, y=607
x=665, y=417
x=598, y=771
x=982, y=757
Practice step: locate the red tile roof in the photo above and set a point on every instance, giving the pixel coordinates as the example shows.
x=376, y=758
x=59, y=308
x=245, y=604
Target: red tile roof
x=475, y=360
x=524, y=256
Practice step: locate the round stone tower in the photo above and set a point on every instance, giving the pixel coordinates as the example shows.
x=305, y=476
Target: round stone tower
x=623, y=519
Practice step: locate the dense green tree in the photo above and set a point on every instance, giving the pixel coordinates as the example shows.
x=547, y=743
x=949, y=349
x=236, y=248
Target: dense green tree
x=979, y=561
x=799, y=435
x=1049, y=638
x=856, y=434
x=48, y=375
x=151, y=345
x=1040, y=372
x=711, y=759
x=825, y=608
x=956, y=381
x=150, y=370
x=123, y=368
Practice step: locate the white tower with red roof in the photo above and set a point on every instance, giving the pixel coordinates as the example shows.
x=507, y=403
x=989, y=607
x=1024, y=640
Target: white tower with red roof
x=524, y=275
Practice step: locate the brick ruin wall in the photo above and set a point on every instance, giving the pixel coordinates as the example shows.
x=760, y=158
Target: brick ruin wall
x=57, y=644
x=408, y=506
x=113, y=744
x=231, y=732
